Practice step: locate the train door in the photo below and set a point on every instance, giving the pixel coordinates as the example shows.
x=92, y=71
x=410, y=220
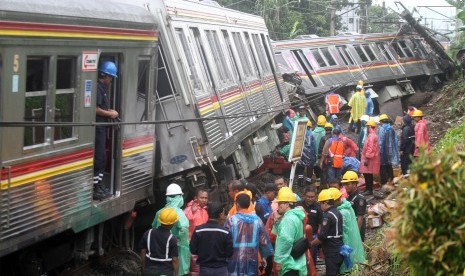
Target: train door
x=106, y=173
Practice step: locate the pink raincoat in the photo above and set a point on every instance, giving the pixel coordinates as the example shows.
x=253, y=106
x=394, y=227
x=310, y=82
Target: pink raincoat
x=370, y=152
x=200, y=216
x=421, y=137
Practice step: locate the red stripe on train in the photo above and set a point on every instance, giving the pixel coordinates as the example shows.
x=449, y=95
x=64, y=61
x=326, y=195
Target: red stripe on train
x=138, y=141
x=38, y=165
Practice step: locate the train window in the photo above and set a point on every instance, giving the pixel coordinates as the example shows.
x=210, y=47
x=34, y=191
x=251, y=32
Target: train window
x=384, y=51
x=65, y=95
x=261, y=54
x=282, y=64
x=419, y=50
x=398, y=50
x=37, y=69
x=319, y=58
x=142, y=88
x=342, y=50
x=242, y=52
x=361, y=53
x=406, y=49
x=218, y=56
x=252, y=54
x=369, y=52
x=191, y=69
x=165, y=84
x=328, y=56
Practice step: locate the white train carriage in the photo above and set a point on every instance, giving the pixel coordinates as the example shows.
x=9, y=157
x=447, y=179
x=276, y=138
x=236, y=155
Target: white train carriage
x=216, y=69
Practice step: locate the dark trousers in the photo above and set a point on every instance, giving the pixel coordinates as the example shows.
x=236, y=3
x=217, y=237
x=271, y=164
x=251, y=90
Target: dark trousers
x=386, y=172
x=368, y=181
x=333, y=262
x=213, y=271
x=358, y=126
x=317, y=171
x=324, y=177
x=405, y=162
x=99, y=151
x=269, y=266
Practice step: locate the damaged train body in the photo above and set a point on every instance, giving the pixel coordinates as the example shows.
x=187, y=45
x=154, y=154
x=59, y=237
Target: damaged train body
x=393, y=65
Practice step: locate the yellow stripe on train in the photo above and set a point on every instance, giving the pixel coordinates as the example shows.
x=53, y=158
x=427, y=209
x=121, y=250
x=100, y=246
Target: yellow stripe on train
x=138, y=149
x=47, y=173
x=77, y=35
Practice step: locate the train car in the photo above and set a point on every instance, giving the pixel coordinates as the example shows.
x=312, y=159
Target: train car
x=49, y=55
x=338, y=63
x=219, y=89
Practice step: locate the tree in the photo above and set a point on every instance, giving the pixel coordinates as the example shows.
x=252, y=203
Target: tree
x=380, y=21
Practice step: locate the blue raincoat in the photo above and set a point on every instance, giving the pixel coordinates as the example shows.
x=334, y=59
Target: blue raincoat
x=308, y=158
x=249, y=239
x=387, y=138
x=180, y=230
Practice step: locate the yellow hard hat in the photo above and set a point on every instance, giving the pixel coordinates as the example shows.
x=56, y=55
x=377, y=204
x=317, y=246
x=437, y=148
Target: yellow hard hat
x=383, y=117
x=329, y=125
x=168, y=216
x=360, y=82
x=309, y=124
x=371, y=123
x=349, y=176
x=321, y=120
x=285, y=194
x=417, y=113
x=335, y=193
x=324, y=195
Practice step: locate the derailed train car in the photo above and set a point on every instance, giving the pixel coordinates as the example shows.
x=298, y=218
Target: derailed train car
x=49, y=55
x=216, y=65
x=197, y=92
x=393, y=65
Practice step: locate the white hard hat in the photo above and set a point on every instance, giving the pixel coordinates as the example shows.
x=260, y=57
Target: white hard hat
x=365, y=118
x=173, y=189
x=359, y=87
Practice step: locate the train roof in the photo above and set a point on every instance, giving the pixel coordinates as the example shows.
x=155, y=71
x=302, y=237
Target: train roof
x=331, y=40
x=83, y=12
x=202, y=12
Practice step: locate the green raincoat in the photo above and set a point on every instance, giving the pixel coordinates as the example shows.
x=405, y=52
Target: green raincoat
x=318, y=133
x=289, y=230
x=180, y=230
x=358, y=102
x=351, y=235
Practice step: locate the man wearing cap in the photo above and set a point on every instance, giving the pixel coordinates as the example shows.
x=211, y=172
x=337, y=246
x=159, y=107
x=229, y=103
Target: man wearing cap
x=107, y=71
x=421, y=133
x=388, y=149
x=351, y=233
x=289, y=230
x=358, y=201
x=363, y=134
x=159, y=248
x=301, y=115
x=331, y=231
x=332, y=156
x=358, y=104
x=370, y=157
x=180, y=229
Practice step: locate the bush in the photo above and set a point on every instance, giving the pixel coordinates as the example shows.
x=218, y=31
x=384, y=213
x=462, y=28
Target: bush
x=430, y=221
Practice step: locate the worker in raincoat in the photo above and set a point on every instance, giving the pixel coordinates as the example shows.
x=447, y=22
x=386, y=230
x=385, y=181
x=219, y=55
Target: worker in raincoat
x=421, y=133
x=388, y=149
x=289, y=230
x=308, y=158
x=407, y=144
x=370, y=159
x=363, y=134
x=318, y=133
x=180, y=229
x=370, y=105
x=249, y=239
x=358, y=104
x=350, y=232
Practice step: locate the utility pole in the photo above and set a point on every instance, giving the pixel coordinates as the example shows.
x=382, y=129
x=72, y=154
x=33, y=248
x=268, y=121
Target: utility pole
x=363, y=16
x=332, y=25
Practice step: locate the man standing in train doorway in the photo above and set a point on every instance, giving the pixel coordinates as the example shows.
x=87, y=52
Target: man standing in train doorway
x=106, y=72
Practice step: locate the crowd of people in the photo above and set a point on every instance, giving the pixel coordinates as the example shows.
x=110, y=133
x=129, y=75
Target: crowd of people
x=328, y=152
x=279, y=233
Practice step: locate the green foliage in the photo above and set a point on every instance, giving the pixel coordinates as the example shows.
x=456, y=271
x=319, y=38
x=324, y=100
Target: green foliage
x=376, y=16
x=429, y=223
